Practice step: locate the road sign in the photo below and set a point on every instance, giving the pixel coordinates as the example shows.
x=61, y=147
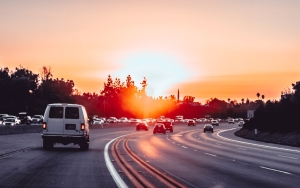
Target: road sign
x=250, y=113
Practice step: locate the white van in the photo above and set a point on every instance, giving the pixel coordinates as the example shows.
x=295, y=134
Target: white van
x=65, y=123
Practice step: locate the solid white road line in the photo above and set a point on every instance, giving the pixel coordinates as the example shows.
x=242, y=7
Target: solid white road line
x=209, y=154
x=259, y=145
x=119, y=181
x=275, y=170
x=184, y=147
x=287, y=157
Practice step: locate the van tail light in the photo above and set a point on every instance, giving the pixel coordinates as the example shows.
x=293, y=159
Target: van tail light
x=44, y=126
x=82, y=126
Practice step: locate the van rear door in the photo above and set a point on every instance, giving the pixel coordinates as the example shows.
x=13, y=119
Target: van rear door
x=72, y=120
x=55, y=120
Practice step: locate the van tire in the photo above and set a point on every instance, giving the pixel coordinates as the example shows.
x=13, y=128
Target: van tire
x=84, y=146
x=47, y=145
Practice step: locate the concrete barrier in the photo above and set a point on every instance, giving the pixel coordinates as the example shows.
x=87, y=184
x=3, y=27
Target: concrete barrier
x=19, y=129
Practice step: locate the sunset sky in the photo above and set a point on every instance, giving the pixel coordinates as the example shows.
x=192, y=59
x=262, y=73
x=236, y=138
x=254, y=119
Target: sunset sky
x=224, y=49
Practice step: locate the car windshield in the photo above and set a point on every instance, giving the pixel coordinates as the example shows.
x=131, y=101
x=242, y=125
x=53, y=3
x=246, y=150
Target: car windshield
x=9, y=120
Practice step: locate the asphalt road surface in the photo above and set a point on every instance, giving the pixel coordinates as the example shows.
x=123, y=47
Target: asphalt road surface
x=194, y=158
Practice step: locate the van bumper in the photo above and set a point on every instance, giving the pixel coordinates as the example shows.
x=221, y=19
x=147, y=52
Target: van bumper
x=66, y=139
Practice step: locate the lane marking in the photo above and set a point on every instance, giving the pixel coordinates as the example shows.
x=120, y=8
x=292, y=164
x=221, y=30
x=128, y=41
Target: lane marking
x=287, y=157
x=259, y=145
x=184, y=147
x=242, y=149
x=118, y=180
x=275, y=170
x=210, y=154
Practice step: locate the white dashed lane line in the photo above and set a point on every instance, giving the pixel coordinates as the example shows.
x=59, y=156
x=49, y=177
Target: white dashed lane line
x=210, y=154
x=242, y=149
x=184, y=147
x=287, y=157
x=275, y=170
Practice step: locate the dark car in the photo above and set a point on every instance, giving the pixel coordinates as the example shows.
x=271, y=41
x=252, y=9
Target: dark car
x=168, y=125
x=191, y=122
x=208, y=127
x=143, y=125
x=159, y=128
x=24, y=118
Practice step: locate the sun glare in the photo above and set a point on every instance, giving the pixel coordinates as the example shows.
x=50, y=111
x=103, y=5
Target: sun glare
x=161, y=71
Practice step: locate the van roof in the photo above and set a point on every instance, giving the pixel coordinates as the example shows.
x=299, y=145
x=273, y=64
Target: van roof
x=64, y=104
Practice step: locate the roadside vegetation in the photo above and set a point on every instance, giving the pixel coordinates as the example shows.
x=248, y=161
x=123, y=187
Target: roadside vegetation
x=278, y=116
x=25, y=91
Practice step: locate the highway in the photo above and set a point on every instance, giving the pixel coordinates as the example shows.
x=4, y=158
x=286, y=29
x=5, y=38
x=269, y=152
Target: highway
x=189, y=156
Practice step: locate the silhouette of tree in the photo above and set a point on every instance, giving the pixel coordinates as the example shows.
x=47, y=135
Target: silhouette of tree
x=45, y=73
x=228, y=99
x=263, y=97
x=243, y=100
x=257, y=94
x=188, y=99
x=247, y=101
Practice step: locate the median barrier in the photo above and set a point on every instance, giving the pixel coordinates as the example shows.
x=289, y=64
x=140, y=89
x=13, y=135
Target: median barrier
x=19, y=129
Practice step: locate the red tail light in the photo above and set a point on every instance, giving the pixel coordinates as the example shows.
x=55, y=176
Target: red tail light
x=82, y=127
x=44, y=126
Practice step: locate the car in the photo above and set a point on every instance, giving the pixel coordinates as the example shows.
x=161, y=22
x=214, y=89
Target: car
x=142, y=125
x=10, y=121
x=2, y=115
x=37, y=119
x=123, y=120
x=198, y=121
x=241, y=123
x=214, y=122
x=133, y=121
x=208, y=127
x=98, y=121
x=112, y=120
x=168, y=125
x=159, y=128
x=65, y=123
x=191, y=122
x=231, y=121
x=17, y=120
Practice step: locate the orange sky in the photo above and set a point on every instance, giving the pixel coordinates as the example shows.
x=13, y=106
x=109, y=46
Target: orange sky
x=231, y=49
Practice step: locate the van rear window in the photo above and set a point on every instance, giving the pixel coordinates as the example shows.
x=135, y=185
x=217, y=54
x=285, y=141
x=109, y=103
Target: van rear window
x=72, y=113
x=56, y=112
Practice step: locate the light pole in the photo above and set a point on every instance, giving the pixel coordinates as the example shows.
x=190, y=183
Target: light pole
x=104, y=101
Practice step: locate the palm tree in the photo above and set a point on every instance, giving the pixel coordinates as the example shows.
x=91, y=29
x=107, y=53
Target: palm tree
x=243, y=100
x=257, y=94
x=263, y=97
x=228, y=99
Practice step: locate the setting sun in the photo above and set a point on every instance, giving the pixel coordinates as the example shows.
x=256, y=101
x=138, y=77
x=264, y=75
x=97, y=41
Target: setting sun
x=205, y=49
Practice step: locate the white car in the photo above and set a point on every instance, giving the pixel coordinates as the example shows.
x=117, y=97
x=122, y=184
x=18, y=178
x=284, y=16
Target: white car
x=98, y=121
x=241, y=123
x=112, y=120
x=214, y=122
x=37, y=119
x=123, y=120
x=10, y=121
x=231, y=121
